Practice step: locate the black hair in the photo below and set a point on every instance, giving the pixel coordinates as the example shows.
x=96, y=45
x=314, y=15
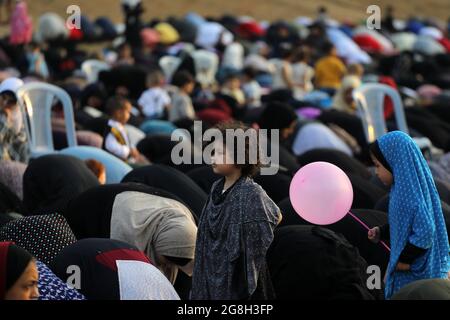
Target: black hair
x=182, y=78
x=231, y=76
x=375, y=151
x=93, y=90
x=17, y=262
x=9, y=97
x=286, y=50
x=302, y=53
x=327, y=47
x=277, y=115
x=250, y=72
x=115, y=104
x=247, y=169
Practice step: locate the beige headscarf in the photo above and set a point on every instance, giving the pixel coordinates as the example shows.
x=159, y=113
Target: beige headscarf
x=155, y=225
x=339, y=102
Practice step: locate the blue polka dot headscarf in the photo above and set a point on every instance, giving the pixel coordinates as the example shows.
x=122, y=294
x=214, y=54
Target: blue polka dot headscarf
x=415, y=214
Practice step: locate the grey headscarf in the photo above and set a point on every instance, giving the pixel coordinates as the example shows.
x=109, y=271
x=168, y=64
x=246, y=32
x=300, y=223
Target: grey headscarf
x=156, y=225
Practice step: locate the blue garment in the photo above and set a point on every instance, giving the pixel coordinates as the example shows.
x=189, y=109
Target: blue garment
x=414, y=26
x=158, y=127
x=415, y=214
x=52, y=288
x=37, y=64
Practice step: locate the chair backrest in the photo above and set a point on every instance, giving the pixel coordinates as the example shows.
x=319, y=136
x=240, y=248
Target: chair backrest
x=116, y=169
x=92, y=68
x=169, y=64
x=206, y=66
x=369, y=99
x=36, y=101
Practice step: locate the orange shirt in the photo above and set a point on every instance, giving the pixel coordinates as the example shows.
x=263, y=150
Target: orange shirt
x=329, y=71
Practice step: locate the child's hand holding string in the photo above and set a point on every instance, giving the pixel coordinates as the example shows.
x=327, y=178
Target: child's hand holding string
x=374, y=234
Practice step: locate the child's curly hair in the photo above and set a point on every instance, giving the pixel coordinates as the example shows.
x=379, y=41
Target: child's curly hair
x=248, y=169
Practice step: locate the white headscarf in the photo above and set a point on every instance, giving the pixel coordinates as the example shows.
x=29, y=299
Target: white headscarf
x=51, y=26
x=318, y=136
x=142, y=281
x=339, y=102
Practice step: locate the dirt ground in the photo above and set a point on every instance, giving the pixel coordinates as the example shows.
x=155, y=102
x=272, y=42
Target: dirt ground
x=354, y=10
x=342, y=10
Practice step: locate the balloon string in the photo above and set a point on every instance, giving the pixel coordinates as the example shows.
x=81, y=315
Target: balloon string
x=367, y=227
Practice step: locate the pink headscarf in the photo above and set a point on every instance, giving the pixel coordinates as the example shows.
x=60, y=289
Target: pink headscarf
x=21, y=25
x=428, y=91
x=150, y=37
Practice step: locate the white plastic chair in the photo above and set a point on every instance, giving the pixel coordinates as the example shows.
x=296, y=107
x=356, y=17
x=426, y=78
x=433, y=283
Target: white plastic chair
x=92, y=68
x=206, y=67
x=134, y=134
x=36, y=101
x=169, y=64
x=369, y=99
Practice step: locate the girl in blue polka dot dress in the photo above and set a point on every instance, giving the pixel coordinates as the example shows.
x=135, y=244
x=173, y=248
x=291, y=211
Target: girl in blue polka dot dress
x=416, y=229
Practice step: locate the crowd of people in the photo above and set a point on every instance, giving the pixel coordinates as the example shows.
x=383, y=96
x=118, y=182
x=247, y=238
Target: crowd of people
x=139, y=225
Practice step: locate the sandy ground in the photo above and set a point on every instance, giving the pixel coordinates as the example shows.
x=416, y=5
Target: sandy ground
x=354, y=10
x=342, y=10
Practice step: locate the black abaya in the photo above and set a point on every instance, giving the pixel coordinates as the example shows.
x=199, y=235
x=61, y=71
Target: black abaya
x=89, y=214
x=351, y=229
x=338, y=158
x=313, y=263
x=51, y=181
x=96, y=259
x=170, y=180
x=9, y=202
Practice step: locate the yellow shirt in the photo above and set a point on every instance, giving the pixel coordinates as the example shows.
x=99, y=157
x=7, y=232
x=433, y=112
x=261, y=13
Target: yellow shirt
x=328, y=72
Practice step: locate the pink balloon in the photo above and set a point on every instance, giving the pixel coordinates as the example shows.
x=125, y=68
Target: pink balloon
x=321, y=193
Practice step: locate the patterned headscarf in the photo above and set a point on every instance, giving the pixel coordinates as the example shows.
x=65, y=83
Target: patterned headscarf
x=53, y=288
x=43, y=236
x=415, y=214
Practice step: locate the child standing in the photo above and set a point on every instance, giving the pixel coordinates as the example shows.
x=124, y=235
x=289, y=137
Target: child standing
x=36, y=61
x=182, y=107
x=251, y=88
x=116, y=139
x=232, y=88
x=155, y=101
x=417, y=232
x=282, y=77
x=235, y=231
x=302, y=73
x=329, y=71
